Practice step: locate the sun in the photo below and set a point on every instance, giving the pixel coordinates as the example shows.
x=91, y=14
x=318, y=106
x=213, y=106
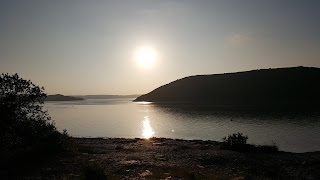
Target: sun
x=146, y=56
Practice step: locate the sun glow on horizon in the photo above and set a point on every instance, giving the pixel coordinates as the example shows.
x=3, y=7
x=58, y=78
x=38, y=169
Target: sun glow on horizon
x=146, y=56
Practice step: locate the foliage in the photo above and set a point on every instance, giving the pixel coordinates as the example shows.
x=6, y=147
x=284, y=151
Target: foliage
x=23, y=121
x=238, y=142
x=236, y=139
x=57, y=142
x=95, y=171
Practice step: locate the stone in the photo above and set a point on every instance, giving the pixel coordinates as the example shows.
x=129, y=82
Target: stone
x=146, y=173
x=128, y=162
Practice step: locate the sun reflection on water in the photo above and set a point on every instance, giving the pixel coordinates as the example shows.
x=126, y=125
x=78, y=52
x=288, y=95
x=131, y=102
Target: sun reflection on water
x=147, y=131
x=144, y=102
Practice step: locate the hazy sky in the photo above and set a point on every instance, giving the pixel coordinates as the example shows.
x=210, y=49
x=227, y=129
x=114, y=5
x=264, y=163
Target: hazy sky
x=79, y=47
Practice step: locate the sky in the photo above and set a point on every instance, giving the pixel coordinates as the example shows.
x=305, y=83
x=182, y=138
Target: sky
x=76, y=47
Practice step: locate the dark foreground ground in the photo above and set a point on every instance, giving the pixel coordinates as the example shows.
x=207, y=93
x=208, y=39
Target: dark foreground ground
x=159, y=158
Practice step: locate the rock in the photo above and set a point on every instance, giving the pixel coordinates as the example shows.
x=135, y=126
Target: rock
x=162, y=159
x=146, y=173
x=128, y=162
x=200, y=166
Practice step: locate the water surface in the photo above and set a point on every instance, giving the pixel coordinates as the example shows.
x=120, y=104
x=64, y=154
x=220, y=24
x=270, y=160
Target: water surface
x=294, y=132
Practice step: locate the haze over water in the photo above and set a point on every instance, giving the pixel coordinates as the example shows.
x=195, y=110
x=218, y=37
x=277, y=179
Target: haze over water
x=293, y=132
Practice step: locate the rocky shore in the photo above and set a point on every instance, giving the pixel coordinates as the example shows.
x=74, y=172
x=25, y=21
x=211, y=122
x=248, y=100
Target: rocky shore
x=159, y=158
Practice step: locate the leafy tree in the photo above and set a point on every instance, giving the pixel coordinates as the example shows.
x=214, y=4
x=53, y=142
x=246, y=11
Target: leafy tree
x=23, y=121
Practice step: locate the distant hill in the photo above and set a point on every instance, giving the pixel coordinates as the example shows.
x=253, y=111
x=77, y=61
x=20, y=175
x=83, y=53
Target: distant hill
x=296, y=88
x=60, y=97
x=107, y=96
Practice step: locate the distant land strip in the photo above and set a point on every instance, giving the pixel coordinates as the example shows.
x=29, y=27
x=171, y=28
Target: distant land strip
x=107, y=96
x=60, y=97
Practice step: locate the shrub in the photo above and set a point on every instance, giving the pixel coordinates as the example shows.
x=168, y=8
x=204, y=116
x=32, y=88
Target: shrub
x=238, y=142
x=57, y=142
x=234, y=141
x=23, y=121
x=95, y=172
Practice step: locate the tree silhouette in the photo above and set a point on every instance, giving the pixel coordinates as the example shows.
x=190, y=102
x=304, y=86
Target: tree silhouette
x=23, y=120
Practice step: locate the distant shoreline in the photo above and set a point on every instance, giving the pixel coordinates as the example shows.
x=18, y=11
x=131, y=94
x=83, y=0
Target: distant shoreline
x=107, y=96
x=60, y=97
x=164, y=139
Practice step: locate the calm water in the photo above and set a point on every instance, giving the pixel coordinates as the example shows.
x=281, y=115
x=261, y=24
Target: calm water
x=123, y=118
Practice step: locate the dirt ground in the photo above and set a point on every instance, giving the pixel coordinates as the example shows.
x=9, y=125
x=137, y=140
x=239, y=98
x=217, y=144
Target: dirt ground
x=159, y=158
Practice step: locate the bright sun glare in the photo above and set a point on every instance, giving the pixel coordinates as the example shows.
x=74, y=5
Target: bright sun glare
x=146, y=56
x=147, y=131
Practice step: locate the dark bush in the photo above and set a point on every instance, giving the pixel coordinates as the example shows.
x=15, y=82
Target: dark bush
x=23, y=122
x=95, y=172
x=234, y=141
x=238, y=142
x=57, y=142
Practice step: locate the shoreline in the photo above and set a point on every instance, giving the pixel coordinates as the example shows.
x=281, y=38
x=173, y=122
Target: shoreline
x=163, y=158
x=201, y=141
